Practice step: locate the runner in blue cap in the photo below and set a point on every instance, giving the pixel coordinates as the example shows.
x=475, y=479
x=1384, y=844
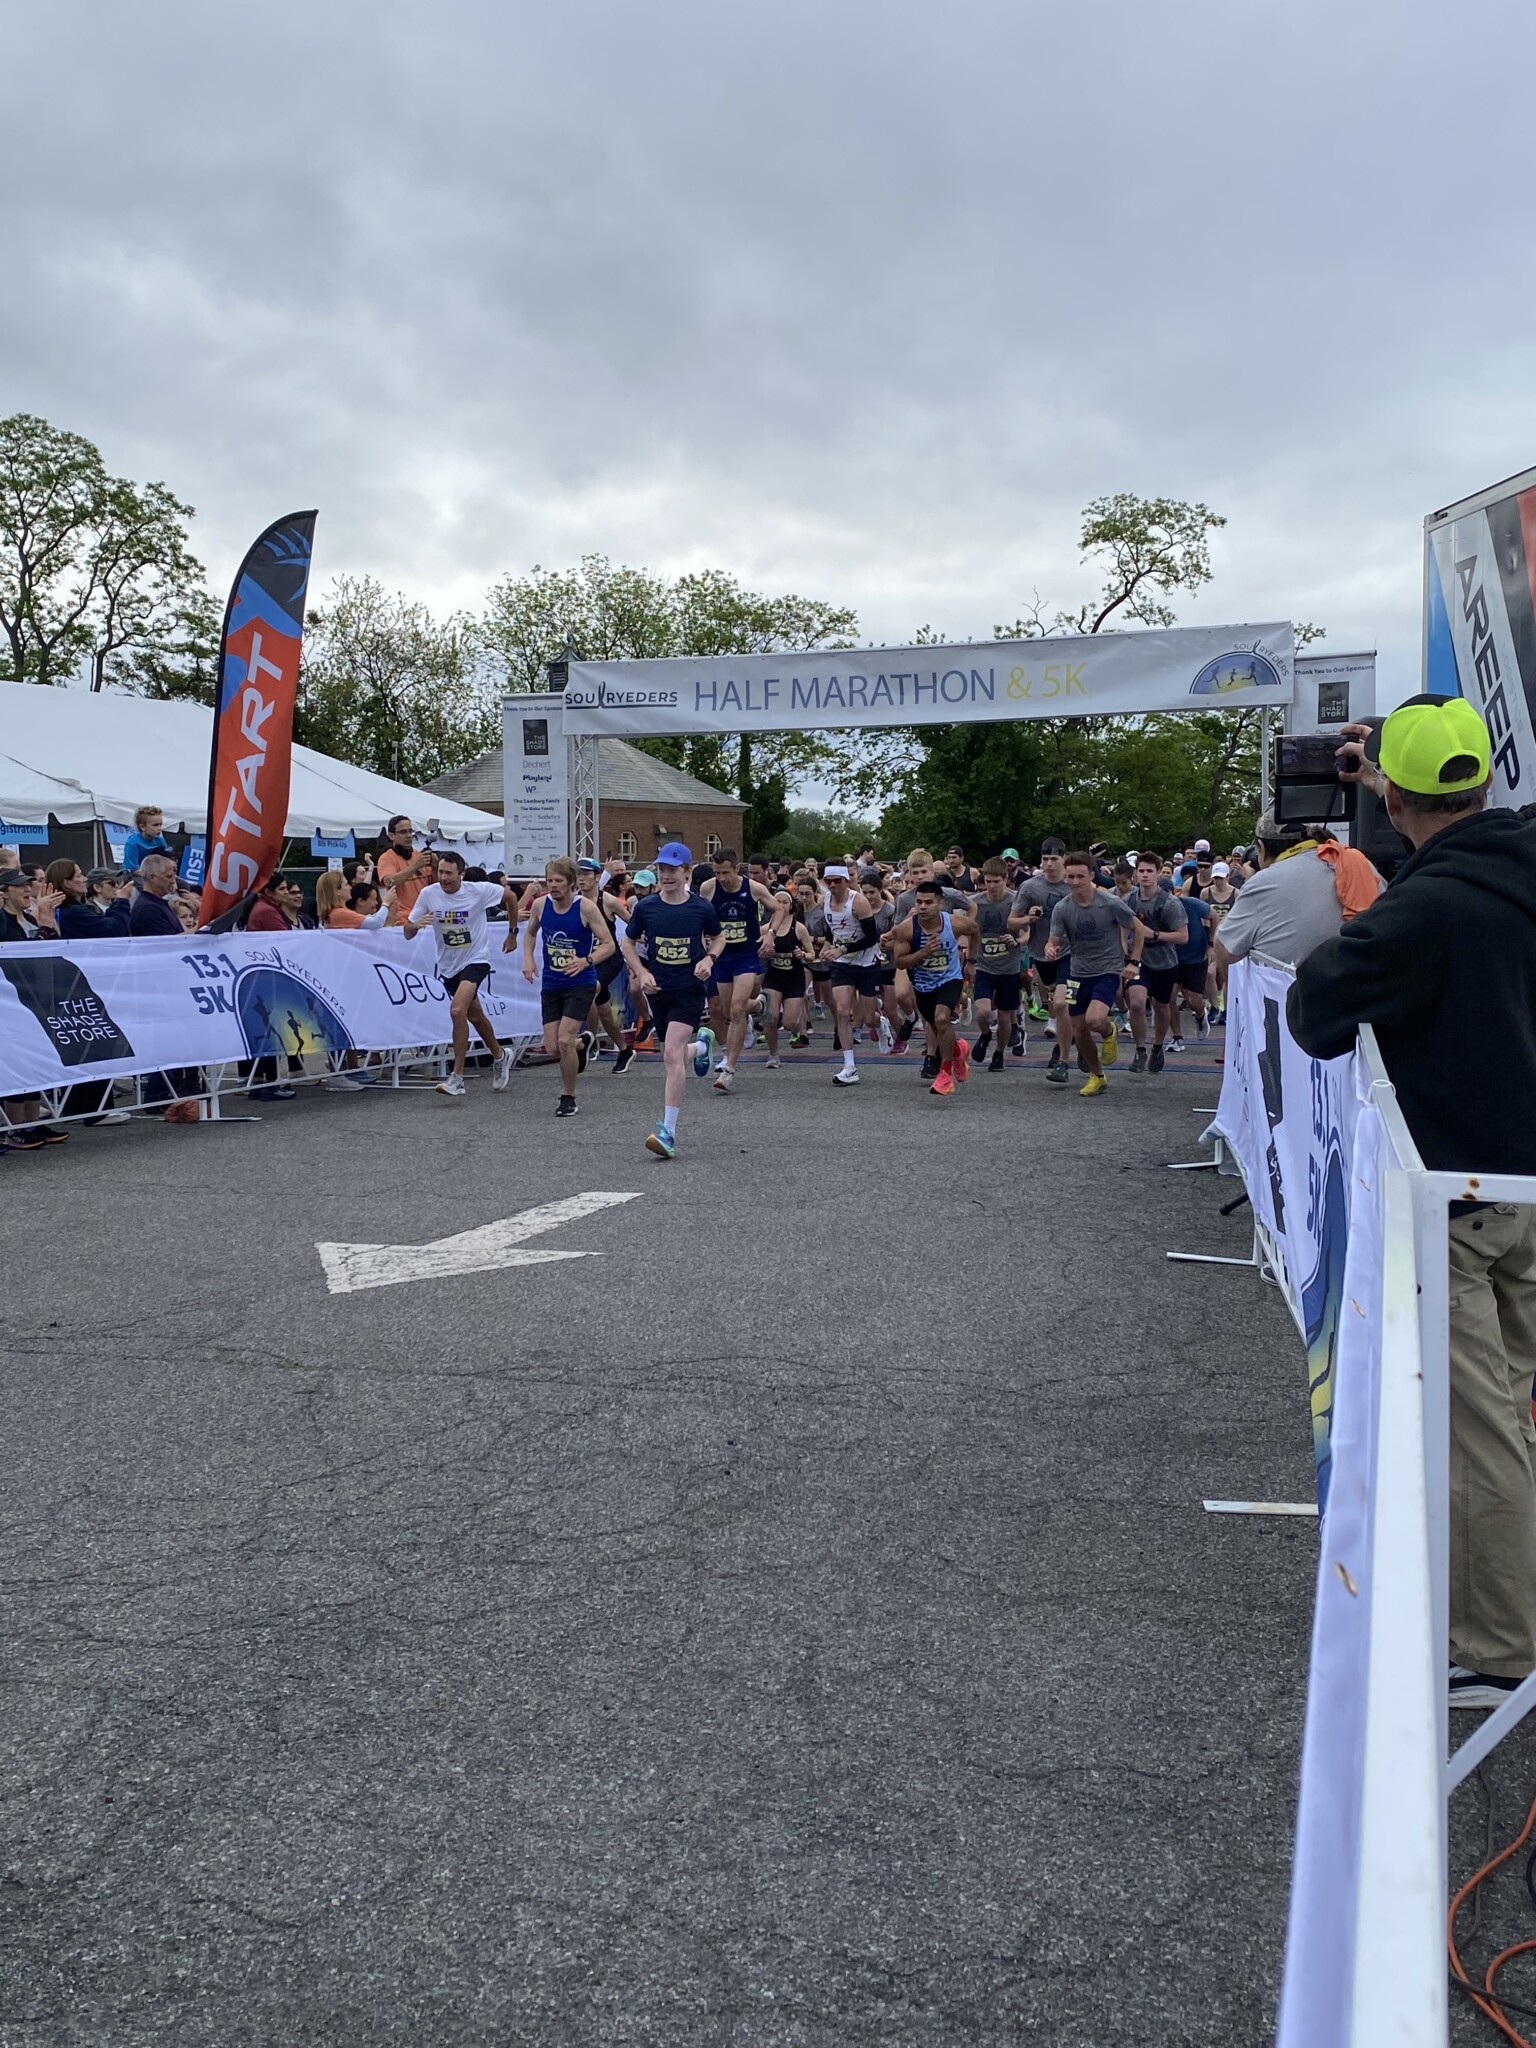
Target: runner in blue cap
x=671, y=944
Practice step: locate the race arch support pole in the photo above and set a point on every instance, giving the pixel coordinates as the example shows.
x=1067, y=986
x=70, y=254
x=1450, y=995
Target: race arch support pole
x=585, y=821
x=1264, y=793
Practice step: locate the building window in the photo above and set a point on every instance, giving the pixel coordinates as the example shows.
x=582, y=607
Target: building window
x=712, y=845
x=629, y=846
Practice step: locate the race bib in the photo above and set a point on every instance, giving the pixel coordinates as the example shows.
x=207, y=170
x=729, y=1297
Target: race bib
x=995, y=948
x=560, y=952
x=672, y=951
x=735, y=933
x=455, y=935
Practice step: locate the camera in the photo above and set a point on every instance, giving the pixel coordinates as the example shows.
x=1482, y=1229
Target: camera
x=1306, y=783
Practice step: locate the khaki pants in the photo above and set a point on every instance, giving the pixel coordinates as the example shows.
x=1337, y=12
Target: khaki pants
x=1493, y=1441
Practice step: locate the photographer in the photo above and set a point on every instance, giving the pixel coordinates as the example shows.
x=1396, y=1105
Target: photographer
x=1443, y=965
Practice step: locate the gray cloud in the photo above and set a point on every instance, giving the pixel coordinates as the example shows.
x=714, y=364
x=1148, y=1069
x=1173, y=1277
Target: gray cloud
x=862, y=299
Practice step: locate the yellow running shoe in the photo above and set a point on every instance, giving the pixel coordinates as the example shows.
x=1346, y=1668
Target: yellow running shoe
x=1094, y=1085
x=1109, y=1049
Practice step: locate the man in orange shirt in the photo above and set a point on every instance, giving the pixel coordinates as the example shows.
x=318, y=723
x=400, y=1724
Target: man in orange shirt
x=401, y=865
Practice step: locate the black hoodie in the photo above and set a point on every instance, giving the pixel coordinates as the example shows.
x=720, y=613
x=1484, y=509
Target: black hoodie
x=1443, y=964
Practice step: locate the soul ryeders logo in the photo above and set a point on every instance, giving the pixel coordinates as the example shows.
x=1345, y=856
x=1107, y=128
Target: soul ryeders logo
x=76, y=1022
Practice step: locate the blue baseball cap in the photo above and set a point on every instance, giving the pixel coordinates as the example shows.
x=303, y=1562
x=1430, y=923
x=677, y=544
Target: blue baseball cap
x=674, y=855
x=590, y=867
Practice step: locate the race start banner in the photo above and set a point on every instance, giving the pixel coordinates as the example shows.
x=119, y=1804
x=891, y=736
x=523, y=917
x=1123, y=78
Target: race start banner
x=252, y=762
x=113, y=1007
x=1185, y=668
x=1289, y=1120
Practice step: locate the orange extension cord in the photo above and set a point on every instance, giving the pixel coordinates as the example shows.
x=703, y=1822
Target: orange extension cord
x=1485, y=2000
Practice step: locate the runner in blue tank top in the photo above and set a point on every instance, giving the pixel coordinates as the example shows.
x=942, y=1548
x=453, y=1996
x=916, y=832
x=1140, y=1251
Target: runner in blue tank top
x=576, y=937
x=743, y=907
x=926, y=945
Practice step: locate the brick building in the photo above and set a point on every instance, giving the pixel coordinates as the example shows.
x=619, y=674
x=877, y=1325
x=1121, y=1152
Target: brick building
x=642, y=803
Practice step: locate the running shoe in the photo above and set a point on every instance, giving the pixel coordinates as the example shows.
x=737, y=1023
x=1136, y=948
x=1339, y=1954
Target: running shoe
x=1041, y=1016
x=1139, y=1062
x=983, y=1045
x=1056, y=1070
x=1218, y=1016
x=704, y=1055
x=662, y=1143
x=1156, y=1063
x=1202, y=1026
x=995, y=1064
x=566, y=1106
x=930, y=1065
x=341, y=1084
x=1175, y=1045
x=1109, y=1051
x=962, y=1065
x=887, y=1035
x=1016, y=1043
x=501, y=1069
x=721, y=1063
x=943, y=1083
x=451, y=1084
x=800, y=1040
x=896, y=1048
x=646, y=1042
x=1094, y=1085
x=770, y=1063
x=751, y=1038
x=905, y=1029
x=846, y=1077
x=1477, y=1689
x=625, y=1060
x=723, y=1079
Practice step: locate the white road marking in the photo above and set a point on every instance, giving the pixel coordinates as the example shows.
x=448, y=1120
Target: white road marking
x=351, y=1267
x=1259, y=1507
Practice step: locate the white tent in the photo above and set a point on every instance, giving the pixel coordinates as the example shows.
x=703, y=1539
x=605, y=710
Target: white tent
x=74, y=756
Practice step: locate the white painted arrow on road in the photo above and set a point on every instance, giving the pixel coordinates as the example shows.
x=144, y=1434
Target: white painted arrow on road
x=351, y=1267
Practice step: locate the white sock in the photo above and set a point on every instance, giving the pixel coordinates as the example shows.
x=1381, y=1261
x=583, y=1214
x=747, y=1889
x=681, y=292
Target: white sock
x=848, y=1061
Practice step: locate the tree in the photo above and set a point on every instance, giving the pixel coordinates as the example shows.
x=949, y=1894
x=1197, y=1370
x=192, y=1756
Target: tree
x=385, y=684
x=603, y=613
x=821, y=835
x=96, y=576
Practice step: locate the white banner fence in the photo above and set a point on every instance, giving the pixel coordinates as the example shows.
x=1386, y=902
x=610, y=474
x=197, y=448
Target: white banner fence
x=113, y=1009
x=1353, y=1227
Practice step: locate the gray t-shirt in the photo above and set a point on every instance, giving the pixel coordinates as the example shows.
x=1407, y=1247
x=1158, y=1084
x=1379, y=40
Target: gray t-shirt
x=998, y=950
x=1092, y=932
x=1036, y=889
x=1163, y=914
x=1286, y=910
x=953, y=900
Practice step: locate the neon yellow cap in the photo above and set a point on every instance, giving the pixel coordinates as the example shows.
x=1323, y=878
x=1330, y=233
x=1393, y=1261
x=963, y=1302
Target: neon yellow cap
x=1426, y=747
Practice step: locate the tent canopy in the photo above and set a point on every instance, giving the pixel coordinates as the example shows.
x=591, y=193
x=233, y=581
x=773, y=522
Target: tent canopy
x=75, y=757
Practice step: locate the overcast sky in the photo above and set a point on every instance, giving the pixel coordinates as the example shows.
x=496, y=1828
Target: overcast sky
x=863, y=300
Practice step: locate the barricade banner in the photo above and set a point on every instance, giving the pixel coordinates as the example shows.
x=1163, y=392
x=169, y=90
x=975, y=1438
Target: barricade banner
x=1320, y=1942
x=114, y=1007
x=1289, y=1120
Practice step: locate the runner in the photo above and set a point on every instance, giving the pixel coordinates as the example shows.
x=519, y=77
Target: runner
x=1035, y=900
x=999, y=987
x=894, y=1025
x=1191, y=966
x=919, y=868
x=606, y=1010
x=787, y=951
x=927, y=946
x=813, y=916
x=739, y=903
x=576, y=938
x=854, y=954
x=1161, y=918
x=1090, y=925
x=1218, y=897
x=681, y=936
x=456, y=912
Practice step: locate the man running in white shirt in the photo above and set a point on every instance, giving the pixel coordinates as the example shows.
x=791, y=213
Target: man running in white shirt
x=852, y=948
x=457, y=914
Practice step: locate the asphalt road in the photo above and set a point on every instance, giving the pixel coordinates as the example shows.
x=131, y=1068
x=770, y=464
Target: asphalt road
x=794, y=1624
